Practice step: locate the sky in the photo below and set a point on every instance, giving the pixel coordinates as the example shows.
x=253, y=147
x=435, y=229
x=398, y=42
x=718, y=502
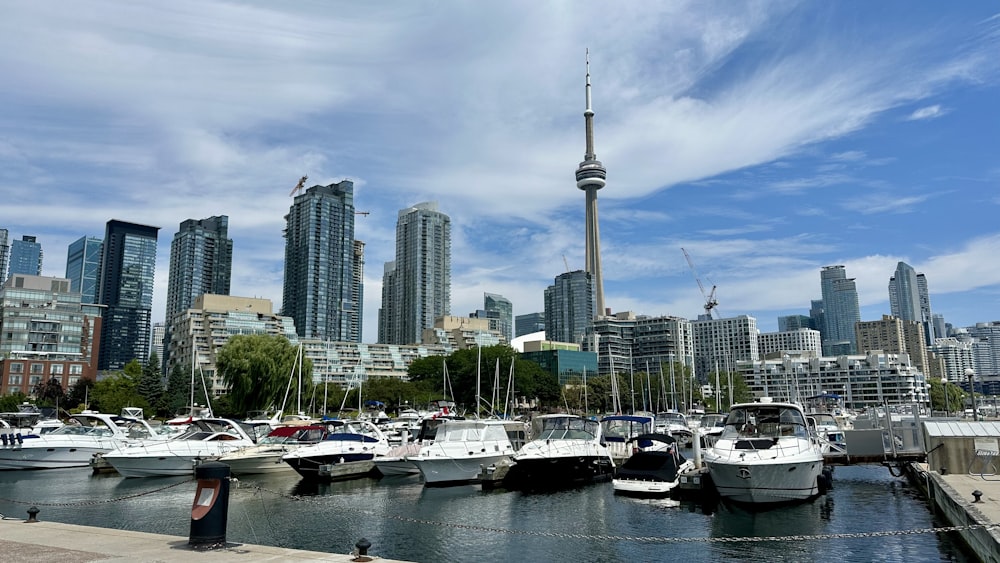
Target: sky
x=768, y=139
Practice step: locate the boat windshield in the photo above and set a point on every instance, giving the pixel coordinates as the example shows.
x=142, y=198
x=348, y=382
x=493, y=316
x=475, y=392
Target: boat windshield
x=565, y=428
x=770, y=421
x=671, y=418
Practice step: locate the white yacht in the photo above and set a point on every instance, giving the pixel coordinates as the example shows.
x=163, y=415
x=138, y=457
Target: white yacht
x=75, y=443
x=565, y=450
x=766, y=454
x=206, y=439
x=462, y=448
x=654, y=470
x=619, y=429
x=266, y=455
x=348, y=441
x=674, y=424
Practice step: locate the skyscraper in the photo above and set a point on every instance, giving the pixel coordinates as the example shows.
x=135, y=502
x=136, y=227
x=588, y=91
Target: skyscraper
x=841, y=311
x=590, y=177
x=569, y=307
x=4, y=254
x=416, y=286
x=358, y=293
x=201, y=261
x=26, y=257
x=504, y=310
x=528, y=323
x=909, y=300
x=83, y=267
x=128, y=267
x=319, y=289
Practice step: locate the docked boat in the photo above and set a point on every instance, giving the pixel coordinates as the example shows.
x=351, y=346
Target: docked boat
x=676, y=425
x=710, y=428
x=205, y=439
x=347, y=441
x=565, y=450
x=265, y=456
x=74, y=443
x=618, y=430
x=462, y=448
x=654, y=469
x=767, y=453
x=29, y=420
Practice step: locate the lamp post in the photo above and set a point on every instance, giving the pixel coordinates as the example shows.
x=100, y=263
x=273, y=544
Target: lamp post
x=971, y=374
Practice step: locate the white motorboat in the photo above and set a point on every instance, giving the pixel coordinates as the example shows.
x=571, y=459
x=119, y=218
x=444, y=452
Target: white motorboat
x=347, y=441
x=206, y=439
x=766, y=454
x=654, y=469
x=461, y=449
x=265, y=456
x=29, y=420
x=566, y=450
x=676, y=425
x=75, y=443
x=617, y=430
x=710, y=428
x=395, y=461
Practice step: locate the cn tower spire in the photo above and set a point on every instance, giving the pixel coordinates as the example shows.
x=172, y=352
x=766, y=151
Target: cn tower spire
x=590, y=177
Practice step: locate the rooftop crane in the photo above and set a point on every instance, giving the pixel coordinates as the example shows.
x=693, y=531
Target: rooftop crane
x=710, y=301
x=299, y=186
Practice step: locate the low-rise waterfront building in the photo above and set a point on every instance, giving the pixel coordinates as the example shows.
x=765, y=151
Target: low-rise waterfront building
x=562, y=359
x=801, y=339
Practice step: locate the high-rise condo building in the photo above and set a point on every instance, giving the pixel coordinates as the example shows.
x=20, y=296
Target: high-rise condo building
x=504, y=312
x=357, y=293
x=529, y=323
x=201, y=261
x=909, y=299
x=720, y=343
x=841, y=311
x=4, y=254
x=128, y=268
x=26, y=257
x=895, y=336
x=83, y=267
x=319, y=288
x=416, y=286
x=590, y=177
x=569, y=307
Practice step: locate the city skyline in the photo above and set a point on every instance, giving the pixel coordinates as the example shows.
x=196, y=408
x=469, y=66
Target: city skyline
x=768, y=140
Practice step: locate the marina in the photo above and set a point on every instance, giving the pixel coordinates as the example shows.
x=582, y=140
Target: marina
x=868, y=515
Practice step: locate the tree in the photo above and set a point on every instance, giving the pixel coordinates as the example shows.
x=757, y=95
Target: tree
x=955, y=396
x=256, y=369
x=177, y=396
x=150, y=384
x=113, y=393
x=80, y=394
x=49, y=393
x=10, y=403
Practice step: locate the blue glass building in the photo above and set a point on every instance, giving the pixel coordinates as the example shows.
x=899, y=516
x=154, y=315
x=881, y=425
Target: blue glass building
x=25, y=257
x=83, y=267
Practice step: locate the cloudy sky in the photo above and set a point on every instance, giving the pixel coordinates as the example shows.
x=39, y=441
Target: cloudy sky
x=767, y=138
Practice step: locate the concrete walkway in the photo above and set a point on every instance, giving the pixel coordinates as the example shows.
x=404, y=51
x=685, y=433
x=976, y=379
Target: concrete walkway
x=951, y=495
x=45, y=542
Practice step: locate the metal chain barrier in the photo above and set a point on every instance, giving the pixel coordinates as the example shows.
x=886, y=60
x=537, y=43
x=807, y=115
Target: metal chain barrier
x=649, y=539
x=96, y=502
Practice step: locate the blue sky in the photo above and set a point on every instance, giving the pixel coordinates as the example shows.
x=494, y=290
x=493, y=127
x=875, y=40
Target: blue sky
x=767, y=138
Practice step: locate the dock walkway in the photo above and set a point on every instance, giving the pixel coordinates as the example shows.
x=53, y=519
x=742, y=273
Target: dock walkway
x=951, y=496
x=51, y=542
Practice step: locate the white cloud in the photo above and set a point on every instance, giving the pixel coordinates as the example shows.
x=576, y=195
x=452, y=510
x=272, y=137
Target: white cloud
x=928, y=112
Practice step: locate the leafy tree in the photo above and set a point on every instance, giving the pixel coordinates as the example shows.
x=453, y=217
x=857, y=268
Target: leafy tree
x=955, y=396
x=150, y=384
x=256, y=369
x=113, y=393
x=49, y=393
x=80, y=394
x=10, y=403
x=177, y=396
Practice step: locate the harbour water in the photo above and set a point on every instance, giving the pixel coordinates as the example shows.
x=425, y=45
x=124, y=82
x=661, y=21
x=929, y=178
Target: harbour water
x=405, y=520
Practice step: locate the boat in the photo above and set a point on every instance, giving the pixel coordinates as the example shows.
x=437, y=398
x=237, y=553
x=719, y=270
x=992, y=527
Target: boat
x=654, y=469
x=676, y=425
x=205, y=439
x=766, y=454
x=29, y=420
x=395, y=461
x=462, y=448
x=619, y=429
x=565, y=450
x=265, y=456
x=74, y=443
x=710, y=428
x=347, y=441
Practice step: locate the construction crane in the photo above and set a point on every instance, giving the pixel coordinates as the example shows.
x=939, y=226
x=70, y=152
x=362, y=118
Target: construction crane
x=566, y=262
x=299, y=186
x=365, y=213
x=710, y=301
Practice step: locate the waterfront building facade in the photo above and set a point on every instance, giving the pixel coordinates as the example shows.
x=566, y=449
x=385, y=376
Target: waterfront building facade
x=895, y=336
x=46, y=332
x=862, y=380
x=125, y=288
x=529, y=323
x=720, y=343
x=569, y=307
x=416, y=286
x=840, y=311
x=628, y=343
x=800, y=339
x=499, y=307
x=461, y=333
x=319, y=290
x=564, y=360
x=350, y=363
x=957, y=357
x=985, y=338
x=26, y=257
x=83, y=267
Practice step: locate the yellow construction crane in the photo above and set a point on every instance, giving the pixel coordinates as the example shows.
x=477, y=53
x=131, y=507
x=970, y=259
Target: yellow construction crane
x=299, y=186
x=710, y=301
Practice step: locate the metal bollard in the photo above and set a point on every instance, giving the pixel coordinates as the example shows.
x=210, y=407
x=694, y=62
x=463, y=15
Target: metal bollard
x=210, y=510
x=362, y=546
x=32, y=515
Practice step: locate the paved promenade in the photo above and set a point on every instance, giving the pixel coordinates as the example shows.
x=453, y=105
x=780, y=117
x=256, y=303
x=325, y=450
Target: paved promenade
x=951, y=494
x=50, y=542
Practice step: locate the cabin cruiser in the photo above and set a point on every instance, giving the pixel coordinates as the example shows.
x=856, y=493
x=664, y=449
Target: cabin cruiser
x=462, y=448
x=767, y=453
x=654, y=469
x=618, y=431
x=347, y=441
x=566, y=450
x=75, y=443
x=265, y=456
x=205, y=439
x=676, y=425
x=29, y=420
x=711, y=427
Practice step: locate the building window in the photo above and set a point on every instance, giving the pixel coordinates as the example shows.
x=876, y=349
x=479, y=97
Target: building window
x=16, y=367
x=15, y=380
x=76, y=369
x=56, y=369
x=72, y=381
x=37, y=368
x=34, y=380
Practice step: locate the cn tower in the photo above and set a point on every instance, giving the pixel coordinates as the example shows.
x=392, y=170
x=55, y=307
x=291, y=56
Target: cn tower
x=590, y=177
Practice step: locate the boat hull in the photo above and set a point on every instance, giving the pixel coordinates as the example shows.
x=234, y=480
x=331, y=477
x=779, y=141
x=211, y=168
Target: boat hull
x=395, y=466
x=439, y=471
x=309, y=466
x=170, y=458
x=766, y=483
x=48, y=458
x=644, y=488
x=256, y=464
x=557, y=472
